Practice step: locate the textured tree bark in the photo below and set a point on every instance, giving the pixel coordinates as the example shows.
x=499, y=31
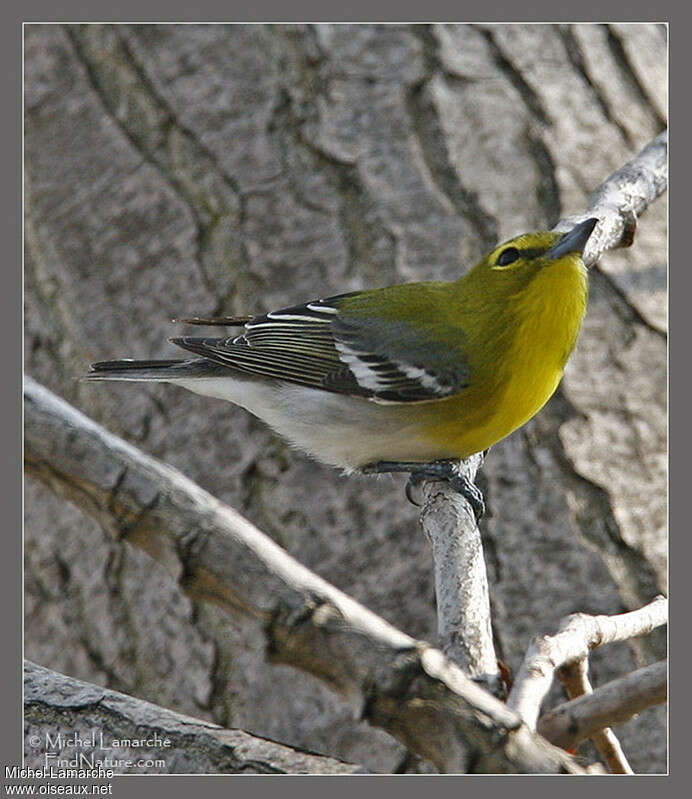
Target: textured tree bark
x=174, y=170
x=129, y=736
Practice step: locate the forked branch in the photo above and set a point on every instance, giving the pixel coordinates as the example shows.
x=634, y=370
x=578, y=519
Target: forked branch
x=577, y=636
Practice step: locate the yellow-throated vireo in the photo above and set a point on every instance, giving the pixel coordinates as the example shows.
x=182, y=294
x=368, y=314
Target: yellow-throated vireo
x=397, y=378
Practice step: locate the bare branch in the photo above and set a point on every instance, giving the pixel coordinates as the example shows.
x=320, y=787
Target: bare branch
x=57, y=706
x=577, y=635
x=461, y=583
x=613, y=703
x=622, y=198
x=404, y=686
x=575, y=679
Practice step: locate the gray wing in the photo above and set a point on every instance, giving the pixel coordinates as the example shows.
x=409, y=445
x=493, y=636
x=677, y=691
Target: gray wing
x=317, y=345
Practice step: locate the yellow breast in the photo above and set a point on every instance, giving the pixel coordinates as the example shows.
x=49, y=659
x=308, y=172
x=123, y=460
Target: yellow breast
x=525, y=373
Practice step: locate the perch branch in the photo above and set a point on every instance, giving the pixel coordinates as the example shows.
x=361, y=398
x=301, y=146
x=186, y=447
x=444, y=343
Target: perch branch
x=461, y=583
x=578, y=634
x=613, y=703
x=404, y=686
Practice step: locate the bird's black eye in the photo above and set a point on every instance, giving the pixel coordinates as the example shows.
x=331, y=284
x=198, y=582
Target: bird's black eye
x=508, y=256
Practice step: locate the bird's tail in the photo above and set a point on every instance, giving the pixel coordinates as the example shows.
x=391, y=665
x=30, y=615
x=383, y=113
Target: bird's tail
x=164, y=370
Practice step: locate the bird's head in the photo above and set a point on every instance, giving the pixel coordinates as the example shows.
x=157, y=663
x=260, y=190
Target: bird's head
x=512, y=266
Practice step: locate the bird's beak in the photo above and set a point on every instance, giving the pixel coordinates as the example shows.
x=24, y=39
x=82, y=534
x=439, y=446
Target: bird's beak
x=573, y=241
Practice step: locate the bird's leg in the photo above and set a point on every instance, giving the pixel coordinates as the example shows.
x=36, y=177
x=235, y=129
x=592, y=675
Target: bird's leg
x=448, y=470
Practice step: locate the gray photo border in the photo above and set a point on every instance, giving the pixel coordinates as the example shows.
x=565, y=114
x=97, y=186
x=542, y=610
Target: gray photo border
x=11, y=321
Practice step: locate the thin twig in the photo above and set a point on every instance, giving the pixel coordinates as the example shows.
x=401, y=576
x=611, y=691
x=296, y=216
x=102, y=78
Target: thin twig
x=613, y=703
x=577, y=635
x=575, y=679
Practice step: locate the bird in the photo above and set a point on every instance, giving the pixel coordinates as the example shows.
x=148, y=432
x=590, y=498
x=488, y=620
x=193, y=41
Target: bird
x=406, y=378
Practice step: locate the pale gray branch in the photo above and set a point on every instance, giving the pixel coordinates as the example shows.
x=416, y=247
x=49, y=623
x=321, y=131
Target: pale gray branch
x=622, y=198
x=461, y=583
x=404, y=686
x=613, y=703
x=57, y=707
x=578, y=634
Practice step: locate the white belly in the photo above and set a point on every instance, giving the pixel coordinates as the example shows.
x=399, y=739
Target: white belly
x=343, y=431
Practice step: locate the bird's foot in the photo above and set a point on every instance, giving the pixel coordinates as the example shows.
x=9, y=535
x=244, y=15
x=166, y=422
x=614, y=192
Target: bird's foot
x=448, y=470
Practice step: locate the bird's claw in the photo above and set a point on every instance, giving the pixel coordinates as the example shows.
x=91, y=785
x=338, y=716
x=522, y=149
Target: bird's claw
x=448, y=471
x=436, y=470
